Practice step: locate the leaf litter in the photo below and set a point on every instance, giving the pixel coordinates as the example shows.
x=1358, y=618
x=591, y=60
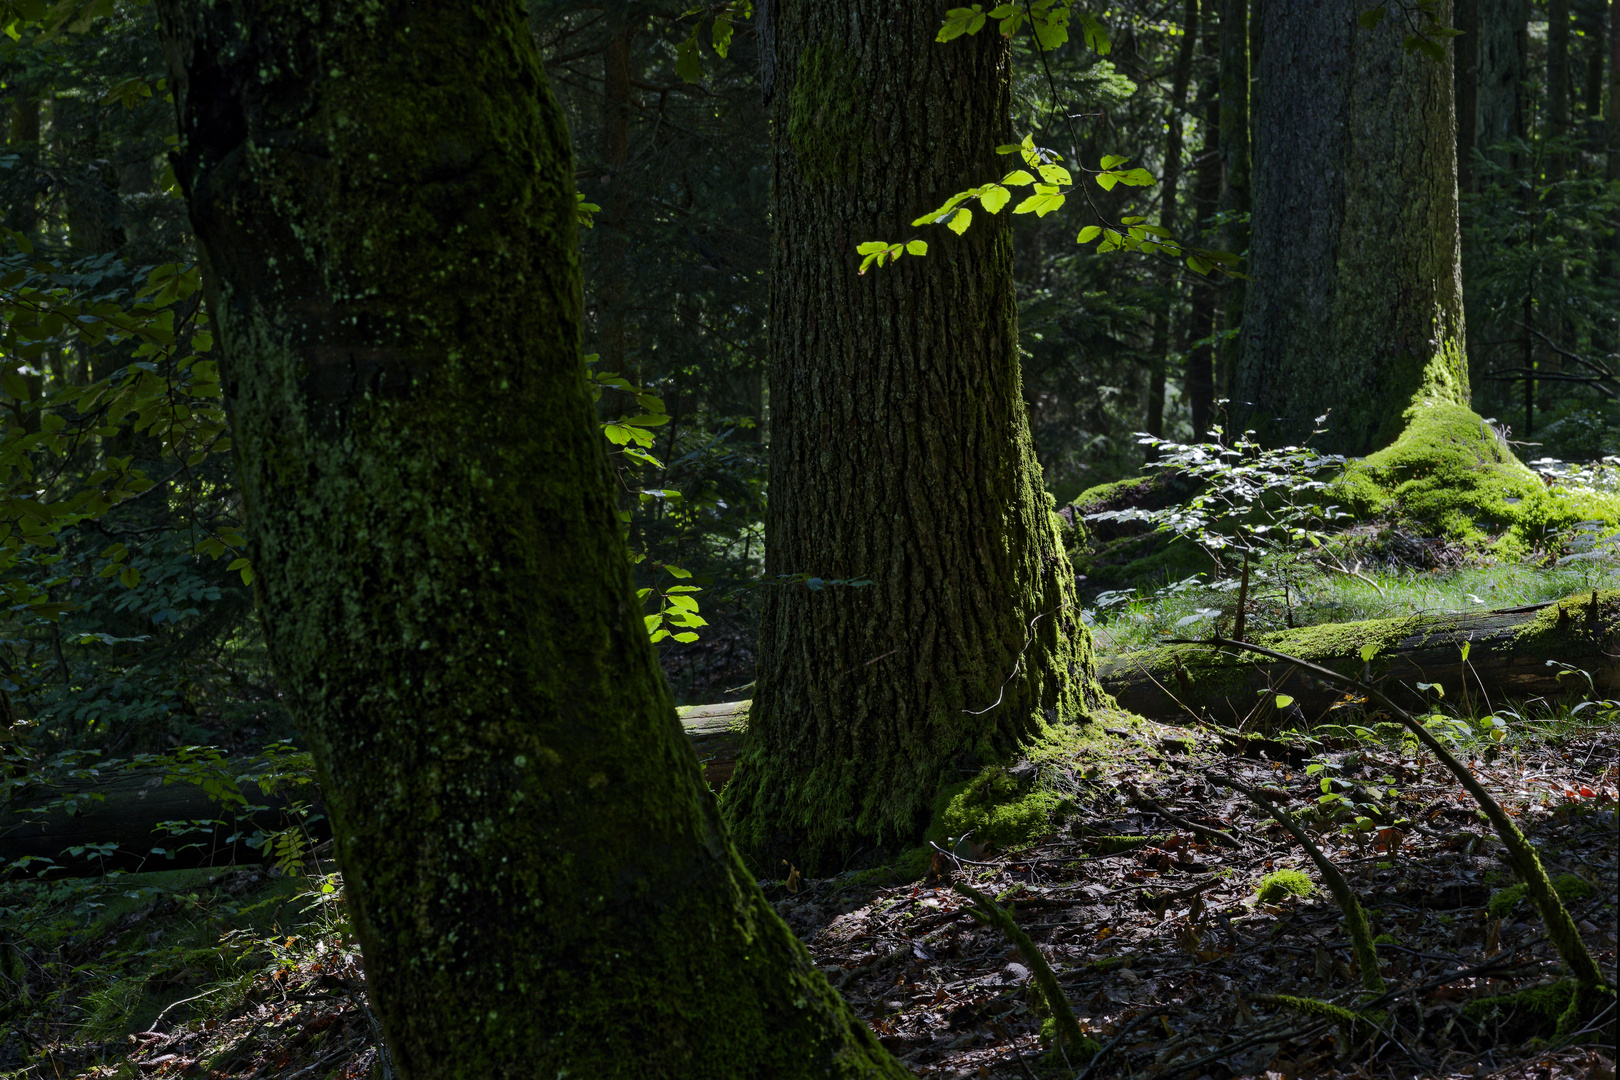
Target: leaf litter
x=1145, y=904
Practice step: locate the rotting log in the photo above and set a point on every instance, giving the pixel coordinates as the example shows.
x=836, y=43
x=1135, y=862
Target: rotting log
x=134, y=822
x=716, y=732
x=1508, y=654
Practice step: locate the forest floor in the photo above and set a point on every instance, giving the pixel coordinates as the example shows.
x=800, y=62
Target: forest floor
x=1156, y=933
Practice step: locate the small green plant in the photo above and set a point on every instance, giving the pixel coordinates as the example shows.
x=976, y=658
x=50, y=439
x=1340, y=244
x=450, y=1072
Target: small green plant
x=1569, y=887
x=1283, y=883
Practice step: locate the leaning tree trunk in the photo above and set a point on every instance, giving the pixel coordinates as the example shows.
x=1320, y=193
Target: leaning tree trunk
x=1355, y=306
x=383, y=193
x=900, y=452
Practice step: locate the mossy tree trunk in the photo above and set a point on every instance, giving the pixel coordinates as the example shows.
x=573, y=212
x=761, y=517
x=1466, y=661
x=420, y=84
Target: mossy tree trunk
x=383, y=193
x=900, y=452
x=1355, y=305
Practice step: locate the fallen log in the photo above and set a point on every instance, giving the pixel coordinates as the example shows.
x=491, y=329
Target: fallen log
x=133, y=821
x=1508, y=654
x=137, y=822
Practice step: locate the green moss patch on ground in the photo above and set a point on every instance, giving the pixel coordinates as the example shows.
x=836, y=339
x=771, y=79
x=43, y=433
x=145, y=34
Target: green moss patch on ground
x=1454, y=475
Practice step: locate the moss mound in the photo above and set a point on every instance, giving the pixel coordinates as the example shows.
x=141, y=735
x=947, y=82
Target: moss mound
x=1285, y=883
x=1455, y=475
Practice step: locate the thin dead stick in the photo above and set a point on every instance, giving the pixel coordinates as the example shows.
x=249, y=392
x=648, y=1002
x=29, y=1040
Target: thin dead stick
x=1217, y=835
x=1070, y=1038
x=1355, y=919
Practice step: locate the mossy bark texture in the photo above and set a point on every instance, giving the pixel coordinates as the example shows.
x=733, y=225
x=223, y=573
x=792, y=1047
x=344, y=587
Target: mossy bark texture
x=538, y=878
x=900, y=451
x=1355, y=305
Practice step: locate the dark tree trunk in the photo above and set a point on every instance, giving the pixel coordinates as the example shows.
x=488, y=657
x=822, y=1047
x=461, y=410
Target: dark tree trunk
x=383, y=197
x=1499, y=80
x=1355, y=306
x=1235, y=167
x=1169, y=193
x=1558, y=83
x=1465, y=78
x=900, y=452
x=613, y=243
x=1201, y=380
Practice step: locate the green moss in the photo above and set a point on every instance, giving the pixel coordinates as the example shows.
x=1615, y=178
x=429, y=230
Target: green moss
x=998, y=810
x=1385, y=939
x=827, y=114
x=1352, y=1026
x=1073, y=1055
x=1569, y=888
x=1113, y=845
x=1283, y=883
x=1452, y=474
x=1526, y=1013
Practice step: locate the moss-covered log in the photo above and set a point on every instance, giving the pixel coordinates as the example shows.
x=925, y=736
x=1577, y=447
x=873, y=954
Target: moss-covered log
x=1507, y=658
x=537, y=875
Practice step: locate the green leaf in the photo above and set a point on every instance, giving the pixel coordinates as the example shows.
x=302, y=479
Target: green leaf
x=1045, y=200
x=1283, y=701
x=1368, y=20
x=1096, y=37
x=688, y=61
x=1088, y=234
x=960, y=221
x=917, y=247
x=1465, y=648
x=1110, y=160
x=959, y=21
x=686, y=637
x=1055, y=174
x=1018, y=177
x=676, y=571
x=722, y=36
x=130, y=577
x=1368, y=651
x=1197, y=265
x=994, y=197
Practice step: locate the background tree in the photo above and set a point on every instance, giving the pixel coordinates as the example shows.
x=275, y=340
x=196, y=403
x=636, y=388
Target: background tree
x=524, y=835
x=900, y=453
x=1355, y=306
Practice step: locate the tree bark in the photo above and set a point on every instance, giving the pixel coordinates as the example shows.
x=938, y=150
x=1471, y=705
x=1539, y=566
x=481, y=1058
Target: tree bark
x=1465, y=78
x=1508, y=657
x=900, y=452
x=1169, y=193
x=383, y=196
x=1235, y=168
x=1355, y=304
x=1202, y=383
x=1558, y=83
